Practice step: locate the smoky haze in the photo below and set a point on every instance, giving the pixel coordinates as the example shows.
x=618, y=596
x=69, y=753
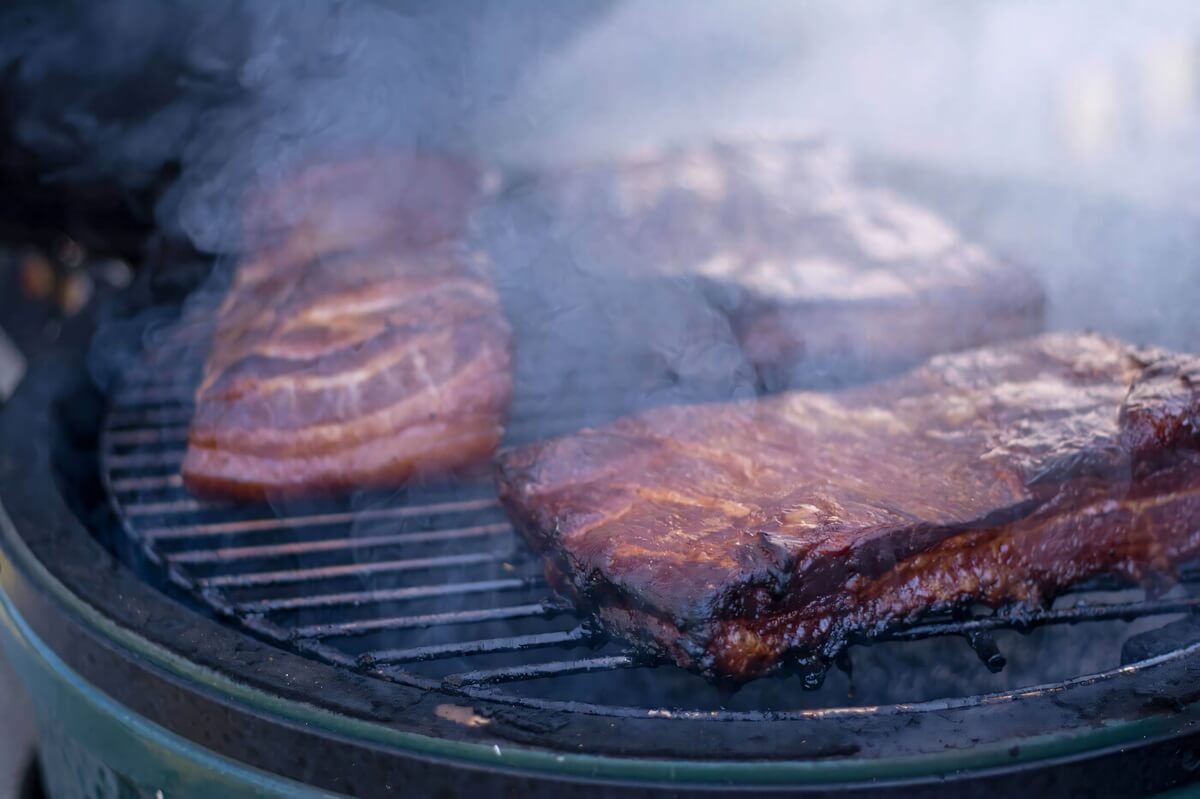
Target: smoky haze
x=1084, y=111
x=236, y=93
x=1062, y=134
x=239, y=95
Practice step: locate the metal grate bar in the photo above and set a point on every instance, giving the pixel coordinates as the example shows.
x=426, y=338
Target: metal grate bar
x=123, y=485
x=1025, y=620
x=147, y=395
x=228, y=554
x=324, y=652
x=150, y=435
x=149, y=417
x=170, y=376
x=384, y=595
x=365, y=626
x=171, y=506
x=317, y=520
x=167, y=368
x=514, y=643
x=142, y=460
x=557, y=668
x=346, y=570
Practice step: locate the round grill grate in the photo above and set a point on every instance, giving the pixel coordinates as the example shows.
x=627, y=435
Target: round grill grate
x=428, y=586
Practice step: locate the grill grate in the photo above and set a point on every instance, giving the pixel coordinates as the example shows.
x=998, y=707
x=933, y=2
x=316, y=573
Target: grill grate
x=426, y=576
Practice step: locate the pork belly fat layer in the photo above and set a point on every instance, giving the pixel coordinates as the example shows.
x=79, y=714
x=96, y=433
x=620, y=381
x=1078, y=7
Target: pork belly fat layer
x=691, y=528
x=360, y=345
x=312, y=385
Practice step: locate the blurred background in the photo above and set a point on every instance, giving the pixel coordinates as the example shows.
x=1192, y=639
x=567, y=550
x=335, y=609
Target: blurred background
x=1095, y=93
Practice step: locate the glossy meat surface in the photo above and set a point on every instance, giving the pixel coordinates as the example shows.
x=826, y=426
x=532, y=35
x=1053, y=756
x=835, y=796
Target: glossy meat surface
x=728, y=535
x=825, y=279
x=351, y=357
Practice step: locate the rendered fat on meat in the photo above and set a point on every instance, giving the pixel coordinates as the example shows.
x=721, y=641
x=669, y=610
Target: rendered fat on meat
x=361, y=345
x=732, y=536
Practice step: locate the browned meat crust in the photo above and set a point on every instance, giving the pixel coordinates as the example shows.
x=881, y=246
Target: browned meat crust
x=824, y=279
x=351, y=357
x=730, y=535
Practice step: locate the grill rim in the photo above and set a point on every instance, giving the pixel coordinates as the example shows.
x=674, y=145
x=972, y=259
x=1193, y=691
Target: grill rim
x=58, y=556
x=1057, y=757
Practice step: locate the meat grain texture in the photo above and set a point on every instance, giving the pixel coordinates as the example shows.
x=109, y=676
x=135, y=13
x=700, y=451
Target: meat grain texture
x=361, y=344
x=731, y=536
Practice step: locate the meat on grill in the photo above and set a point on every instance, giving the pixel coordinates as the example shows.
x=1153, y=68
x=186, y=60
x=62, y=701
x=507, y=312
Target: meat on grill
x=727, y=536
x=825, y=279
x=343, y=360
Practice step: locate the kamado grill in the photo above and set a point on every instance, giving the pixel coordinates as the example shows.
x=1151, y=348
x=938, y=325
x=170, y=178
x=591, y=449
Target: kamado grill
x=405, y=642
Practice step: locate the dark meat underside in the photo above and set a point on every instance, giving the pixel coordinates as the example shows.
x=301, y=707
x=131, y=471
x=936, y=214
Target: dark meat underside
x=356, y=350
x=728, y=536
x=824, y=279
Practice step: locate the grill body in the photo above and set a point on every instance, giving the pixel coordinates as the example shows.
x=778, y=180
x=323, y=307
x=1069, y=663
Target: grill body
x=93, y=637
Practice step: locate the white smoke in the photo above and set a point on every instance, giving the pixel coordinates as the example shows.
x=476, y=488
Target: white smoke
x=232, y=93
x=1098, y=93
